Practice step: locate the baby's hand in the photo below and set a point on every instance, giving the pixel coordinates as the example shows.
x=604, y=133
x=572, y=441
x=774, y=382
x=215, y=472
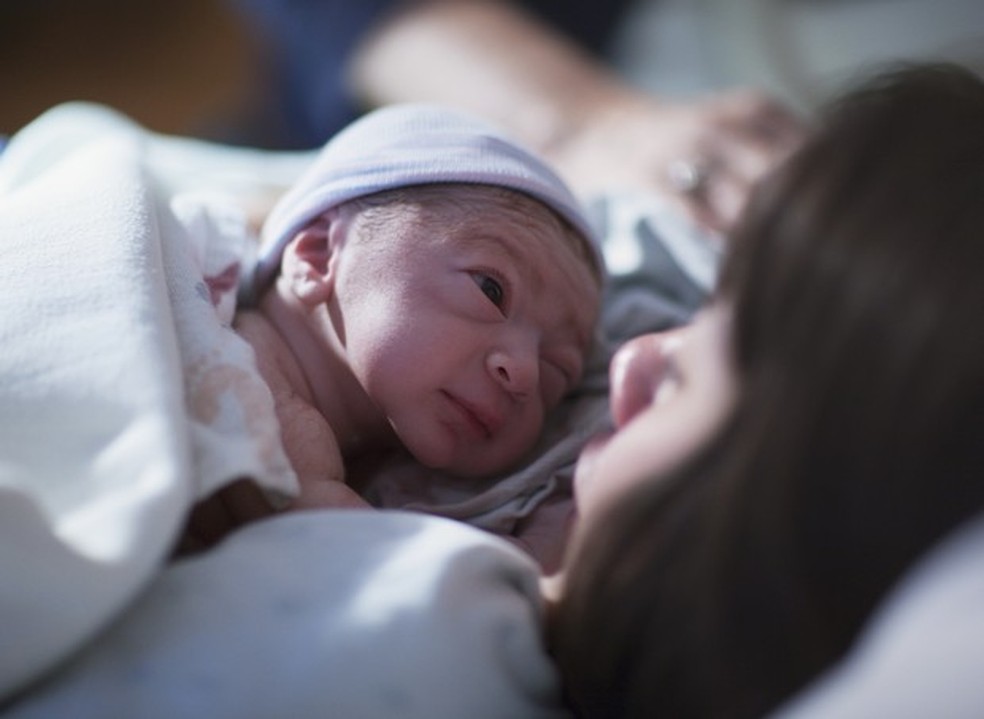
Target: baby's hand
x=329, y=493
x=214, y=517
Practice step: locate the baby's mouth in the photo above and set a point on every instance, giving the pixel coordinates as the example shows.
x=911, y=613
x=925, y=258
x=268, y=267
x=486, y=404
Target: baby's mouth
x=479, y=421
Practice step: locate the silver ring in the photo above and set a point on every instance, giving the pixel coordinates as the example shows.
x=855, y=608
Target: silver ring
x=688, y=177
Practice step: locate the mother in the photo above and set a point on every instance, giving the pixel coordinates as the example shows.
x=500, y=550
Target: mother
x=781, y=463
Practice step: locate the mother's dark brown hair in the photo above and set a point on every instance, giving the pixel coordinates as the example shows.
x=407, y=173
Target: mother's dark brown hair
x=857, y=282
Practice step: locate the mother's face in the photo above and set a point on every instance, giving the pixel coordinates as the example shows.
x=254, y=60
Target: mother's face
x=669, y=393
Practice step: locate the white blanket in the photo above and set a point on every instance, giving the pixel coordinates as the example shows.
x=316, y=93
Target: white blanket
x=336, y=614
x=125, y=397
x=95, y=472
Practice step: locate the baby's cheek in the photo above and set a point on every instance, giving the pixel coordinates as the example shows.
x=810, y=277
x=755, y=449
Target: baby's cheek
x=553, y=387
x=531, y=427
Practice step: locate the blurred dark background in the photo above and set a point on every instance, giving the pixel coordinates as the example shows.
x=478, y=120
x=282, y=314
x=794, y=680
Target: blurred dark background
x=194, y=67
x=177, y=66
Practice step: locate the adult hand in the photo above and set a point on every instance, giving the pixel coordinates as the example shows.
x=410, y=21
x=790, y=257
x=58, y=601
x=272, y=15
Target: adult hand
x=704, y=156
x=491, y=57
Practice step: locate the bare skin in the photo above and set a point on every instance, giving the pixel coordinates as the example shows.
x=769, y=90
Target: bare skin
x=309, y=442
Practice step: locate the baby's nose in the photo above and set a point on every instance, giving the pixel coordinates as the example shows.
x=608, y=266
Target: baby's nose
x=636, y=372
x=516, y=370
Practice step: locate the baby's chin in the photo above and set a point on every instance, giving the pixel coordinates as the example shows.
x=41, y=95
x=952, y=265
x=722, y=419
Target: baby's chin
x=478, y=464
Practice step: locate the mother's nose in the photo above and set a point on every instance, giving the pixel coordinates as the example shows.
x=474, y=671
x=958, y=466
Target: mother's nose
x=636, y=372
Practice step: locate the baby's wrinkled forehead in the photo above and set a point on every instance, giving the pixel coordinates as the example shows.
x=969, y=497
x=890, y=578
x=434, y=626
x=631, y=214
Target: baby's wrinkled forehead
x=489, y=206
x=414, y=144
x=559, y=238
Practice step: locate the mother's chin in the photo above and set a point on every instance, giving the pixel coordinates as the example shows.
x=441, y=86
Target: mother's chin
x=586, y=475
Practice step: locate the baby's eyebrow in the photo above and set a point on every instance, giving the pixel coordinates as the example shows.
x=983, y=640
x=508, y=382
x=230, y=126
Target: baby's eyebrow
x=485, y=240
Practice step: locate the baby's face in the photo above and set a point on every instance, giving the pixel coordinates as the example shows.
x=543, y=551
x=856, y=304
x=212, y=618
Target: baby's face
x=466, y=325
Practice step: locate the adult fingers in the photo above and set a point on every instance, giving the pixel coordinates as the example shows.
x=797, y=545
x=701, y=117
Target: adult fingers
x=760, y=118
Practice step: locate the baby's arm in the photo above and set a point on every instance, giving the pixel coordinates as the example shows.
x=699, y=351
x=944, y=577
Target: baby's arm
x=329, y=493
x=313, y=453
x=308, y=440
x=312, y=449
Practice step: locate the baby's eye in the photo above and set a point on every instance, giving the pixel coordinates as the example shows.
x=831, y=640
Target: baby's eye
x=491, y=288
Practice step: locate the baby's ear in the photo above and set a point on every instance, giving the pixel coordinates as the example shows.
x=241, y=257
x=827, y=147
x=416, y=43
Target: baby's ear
x=308, y=262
